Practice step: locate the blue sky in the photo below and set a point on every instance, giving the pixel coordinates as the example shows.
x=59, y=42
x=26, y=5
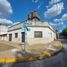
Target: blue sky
x=54, y=11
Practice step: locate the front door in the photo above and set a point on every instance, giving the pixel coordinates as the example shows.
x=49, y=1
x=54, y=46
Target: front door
x=23, y=36
x=10, y=37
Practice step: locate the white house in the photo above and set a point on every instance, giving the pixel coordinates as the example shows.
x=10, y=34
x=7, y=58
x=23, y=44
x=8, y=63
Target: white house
x=33, y=31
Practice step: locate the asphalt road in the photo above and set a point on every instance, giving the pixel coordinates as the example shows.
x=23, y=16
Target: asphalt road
x=59, y=60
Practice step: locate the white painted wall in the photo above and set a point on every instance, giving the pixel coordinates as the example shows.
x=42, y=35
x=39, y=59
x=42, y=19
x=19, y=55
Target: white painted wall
x=18, y=40
x=47, y=37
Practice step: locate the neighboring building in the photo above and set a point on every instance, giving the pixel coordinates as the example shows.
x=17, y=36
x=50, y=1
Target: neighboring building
x=4, y=30
x=36, y=31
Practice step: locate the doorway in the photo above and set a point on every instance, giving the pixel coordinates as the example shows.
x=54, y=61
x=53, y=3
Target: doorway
x=10, y=37
x=23, y=36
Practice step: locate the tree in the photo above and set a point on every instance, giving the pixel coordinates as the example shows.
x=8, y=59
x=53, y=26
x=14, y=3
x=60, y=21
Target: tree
x=64, y=33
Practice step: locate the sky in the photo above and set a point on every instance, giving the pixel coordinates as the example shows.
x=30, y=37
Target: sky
x=54, y=11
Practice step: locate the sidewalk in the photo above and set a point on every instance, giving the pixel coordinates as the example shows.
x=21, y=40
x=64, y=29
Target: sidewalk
x=8, y=49
x=8, y=43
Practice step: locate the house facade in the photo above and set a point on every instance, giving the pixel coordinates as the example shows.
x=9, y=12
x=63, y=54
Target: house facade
x=33, y=31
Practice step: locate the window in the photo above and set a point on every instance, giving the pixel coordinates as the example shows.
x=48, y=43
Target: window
x=37, y=34
x=16, y=35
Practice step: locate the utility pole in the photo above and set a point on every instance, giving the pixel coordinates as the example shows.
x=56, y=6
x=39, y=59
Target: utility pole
x=25, y=28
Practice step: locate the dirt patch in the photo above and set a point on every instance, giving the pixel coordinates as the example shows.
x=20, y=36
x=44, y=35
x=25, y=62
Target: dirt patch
x=9, y=44
x=50, y=48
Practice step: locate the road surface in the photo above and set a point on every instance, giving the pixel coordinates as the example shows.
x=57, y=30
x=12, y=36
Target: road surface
x=59, y=60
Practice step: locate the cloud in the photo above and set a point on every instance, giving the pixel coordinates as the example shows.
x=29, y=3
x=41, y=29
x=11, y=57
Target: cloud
x=54, y=1
x=5, y=21
x=35, y=1
x=53, y=24
x=58, y=21
x=55, y=10
x=61, y=20
x=64, y=17
x=38, y=6
x=5, y=8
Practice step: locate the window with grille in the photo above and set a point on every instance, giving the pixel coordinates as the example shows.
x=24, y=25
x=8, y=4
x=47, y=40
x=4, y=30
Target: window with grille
x=38, y=34
x=16, y=35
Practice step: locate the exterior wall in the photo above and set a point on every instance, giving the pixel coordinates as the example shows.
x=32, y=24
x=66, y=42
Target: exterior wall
x=48, y=35
x=19, y=38
x=3, y=37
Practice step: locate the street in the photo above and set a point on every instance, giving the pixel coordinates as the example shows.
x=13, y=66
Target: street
x=59, y=60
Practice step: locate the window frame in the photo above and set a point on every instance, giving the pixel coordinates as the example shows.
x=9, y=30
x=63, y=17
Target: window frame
x=38, y=34
x=16, y=35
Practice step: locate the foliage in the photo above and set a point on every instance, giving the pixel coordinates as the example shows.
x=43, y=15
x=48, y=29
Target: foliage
x=64, y=32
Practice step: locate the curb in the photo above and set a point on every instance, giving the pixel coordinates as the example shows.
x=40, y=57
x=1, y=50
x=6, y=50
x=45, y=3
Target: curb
x=7, y=60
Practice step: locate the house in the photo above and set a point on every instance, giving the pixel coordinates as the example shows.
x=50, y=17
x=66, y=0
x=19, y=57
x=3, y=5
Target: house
x=32, y=31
